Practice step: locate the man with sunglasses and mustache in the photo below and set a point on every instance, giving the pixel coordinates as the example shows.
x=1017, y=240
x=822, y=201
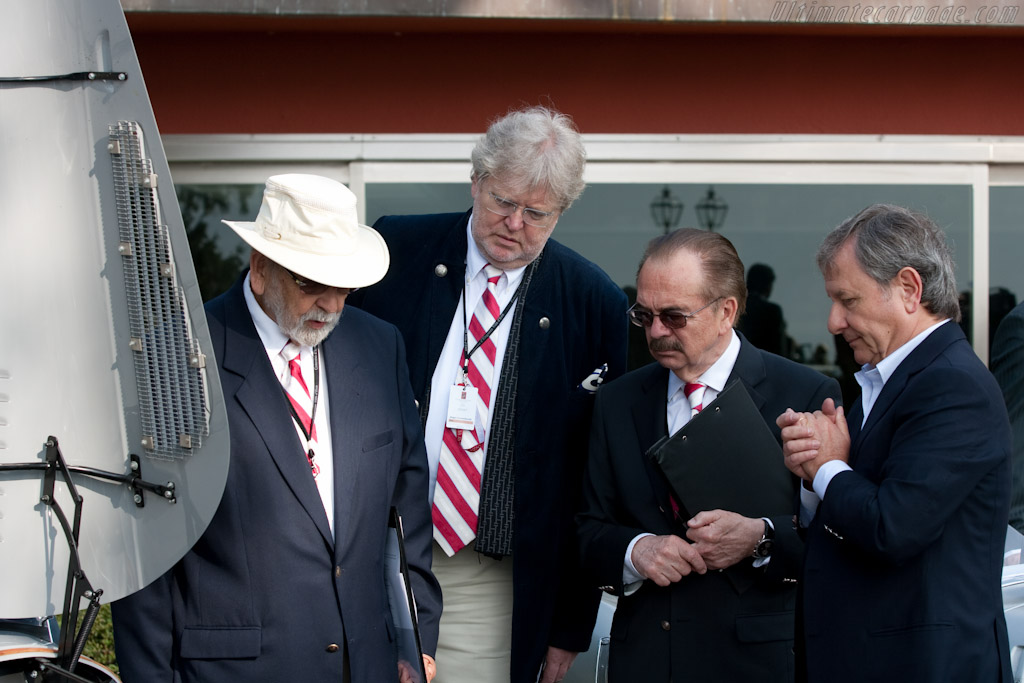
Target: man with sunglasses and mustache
x=287, y=582
x=509, y=334
x=704, y=595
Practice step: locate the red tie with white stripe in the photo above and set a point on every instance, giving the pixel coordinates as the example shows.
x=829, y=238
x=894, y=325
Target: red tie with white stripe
x=695, y=395
x=302, y=403
x=694, y=392
x=457, y=493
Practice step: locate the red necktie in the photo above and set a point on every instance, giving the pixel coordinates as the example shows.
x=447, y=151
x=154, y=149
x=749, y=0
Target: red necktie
x=457, y=493
x=302, y=403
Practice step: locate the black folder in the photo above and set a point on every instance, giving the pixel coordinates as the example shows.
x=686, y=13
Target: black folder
x=727, y=458
x=401, y=599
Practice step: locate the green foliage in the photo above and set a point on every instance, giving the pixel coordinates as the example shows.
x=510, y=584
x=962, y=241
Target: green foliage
x=100, y=645
x=215, y=271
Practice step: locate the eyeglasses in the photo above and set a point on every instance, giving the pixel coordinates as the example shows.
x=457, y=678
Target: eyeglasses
x=310, y=288
x=673, y=319
x=506, y=207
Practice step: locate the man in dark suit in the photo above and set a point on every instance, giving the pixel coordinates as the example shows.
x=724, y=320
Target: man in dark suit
x=288, y=581
x=675, y=619
x=1008, y=367
x=505, y=553
x=905, y=546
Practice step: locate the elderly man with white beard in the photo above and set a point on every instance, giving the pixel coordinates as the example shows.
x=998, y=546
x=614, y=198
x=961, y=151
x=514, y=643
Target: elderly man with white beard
x=287, y=582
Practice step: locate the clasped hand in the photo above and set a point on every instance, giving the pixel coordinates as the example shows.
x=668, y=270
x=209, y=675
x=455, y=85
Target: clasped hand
x=720, y=539
x=809, y=440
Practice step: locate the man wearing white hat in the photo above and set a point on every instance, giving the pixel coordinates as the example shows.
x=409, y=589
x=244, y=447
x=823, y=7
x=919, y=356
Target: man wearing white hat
x=287, y=582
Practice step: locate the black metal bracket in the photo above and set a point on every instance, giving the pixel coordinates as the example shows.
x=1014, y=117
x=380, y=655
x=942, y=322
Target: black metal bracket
x=72, y=636
x=74, y=76
x=132, y=479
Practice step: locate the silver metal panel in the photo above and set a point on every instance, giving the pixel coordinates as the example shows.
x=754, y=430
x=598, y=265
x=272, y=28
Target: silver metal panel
x=972, y=13
x=66, y=362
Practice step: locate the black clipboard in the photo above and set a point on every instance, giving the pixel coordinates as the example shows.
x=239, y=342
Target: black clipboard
x=727, y=458
x=400, y=598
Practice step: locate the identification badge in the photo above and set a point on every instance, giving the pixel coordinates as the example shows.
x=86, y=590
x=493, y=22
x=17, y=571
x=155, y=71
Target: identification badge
x=462, y=407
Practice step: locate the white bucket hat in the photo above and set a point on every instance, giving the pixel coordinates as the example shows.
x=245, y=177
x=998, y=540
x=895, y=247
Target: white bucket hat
x=308, y=225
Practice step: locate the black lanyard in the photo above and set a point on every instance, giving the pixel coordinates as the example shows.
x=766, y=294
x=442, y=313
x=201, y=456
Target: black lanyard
x=316, y=395
x=467, y=352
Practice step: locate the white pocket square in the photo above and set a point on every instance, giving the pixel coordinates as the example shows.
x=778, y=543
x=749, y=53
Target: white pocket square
x=594, y=379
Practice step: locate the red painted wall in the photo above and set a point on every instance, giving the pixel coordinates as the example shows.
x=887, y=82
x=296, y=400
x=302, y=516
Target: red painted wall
x=246, y=75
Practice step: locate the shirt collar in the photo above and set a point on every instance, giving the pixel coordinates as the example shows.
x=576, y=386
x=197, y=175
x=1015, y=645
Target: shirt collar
x=270, y=334
x=887, y=366
x=717, y=375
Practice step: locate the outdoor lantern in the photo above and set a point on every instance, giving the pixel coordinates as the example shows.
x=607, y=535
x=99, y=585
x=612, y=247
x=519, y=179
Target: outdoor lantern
x=666, y=210
x=711, y=211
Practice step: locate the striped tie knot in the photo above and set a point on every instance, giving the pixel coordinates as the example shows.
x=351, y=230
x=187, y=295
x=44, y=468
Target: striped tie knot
x=695, y=395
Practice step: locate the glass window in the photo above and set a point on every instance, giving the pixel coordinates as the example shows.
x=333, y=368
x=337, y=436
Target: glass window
x=218, y=254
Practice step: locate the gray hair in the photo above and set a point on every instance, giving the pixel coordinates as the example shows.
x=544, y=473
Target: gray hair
x=889, y=238
x=534, y=148
x=722, y=267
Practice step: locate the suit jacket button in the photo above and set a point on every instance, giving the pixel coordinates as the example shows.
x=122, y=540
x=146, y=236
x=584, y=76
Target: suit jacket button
x=665, y=626
x=440, y=270
x=333, y=648
x=544, y=323
x=337, y=571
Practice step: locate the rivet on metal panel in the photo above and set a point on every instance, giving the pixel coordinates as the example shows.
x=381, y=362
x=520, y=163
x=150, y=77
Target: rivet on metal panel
x=167, y=269
x=147, y=442
x=149, y=180
x=185, y=440
x=135, y=344
x=197, y=360
x=114, y=146
x=124, y=248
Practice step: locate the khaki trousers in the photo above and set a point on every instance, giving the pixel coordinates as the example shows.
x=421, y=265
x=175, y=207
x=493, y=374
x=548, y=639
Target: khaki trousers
x=476, y=623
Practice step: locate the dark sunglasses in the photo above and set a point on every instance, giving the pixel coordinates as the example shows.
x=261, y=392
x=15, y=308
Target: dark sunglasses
x=311, y=288
x=673, y=319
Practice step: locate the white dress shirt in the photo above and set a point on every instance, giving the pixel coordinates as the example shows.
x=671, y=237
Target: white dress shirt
x=273, y=341
x=447, y=371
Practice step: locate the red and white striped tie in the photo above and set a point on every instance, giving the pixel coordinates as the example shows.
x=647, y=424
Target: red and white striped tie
x=302, y=403
x=457, y=493
x=695, y=395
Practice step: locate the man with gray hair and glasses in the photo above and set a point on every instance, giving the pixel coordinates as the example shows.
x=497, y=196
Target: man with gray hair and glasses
x=907, y=517
x=509, y=333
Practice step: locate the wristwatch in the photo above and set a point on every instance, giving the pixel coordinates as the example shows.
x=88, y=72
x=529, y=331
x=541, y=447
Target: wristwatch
x=763, y=548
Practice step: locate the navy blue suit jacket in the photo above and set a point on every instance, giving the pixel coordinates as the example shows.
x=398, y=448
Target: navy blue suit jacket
x=904, y=556
x=574, y=319
x=267, y=592
x=733, y=625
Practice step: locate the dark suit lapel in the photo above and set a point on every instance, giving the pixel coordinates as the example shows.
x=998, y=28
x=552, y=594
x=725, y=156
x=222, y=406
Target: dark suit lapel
x=749, y=368
x=918, y=359
x=534, y=340
x=446, y=291
x=261, y=397
x=346, y=375
x=649, y=421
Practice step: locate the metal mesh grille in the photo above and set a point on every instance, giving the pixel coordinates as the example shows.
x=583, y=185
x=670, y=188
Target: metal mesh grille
x=169, y=366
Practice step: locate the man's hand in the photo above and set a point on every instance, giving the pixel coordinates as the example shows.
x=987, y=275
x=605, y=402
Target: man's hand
x=666, y=559
x=724, y=538
x=809, y=440
x=556, y=664
x=406, y=674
